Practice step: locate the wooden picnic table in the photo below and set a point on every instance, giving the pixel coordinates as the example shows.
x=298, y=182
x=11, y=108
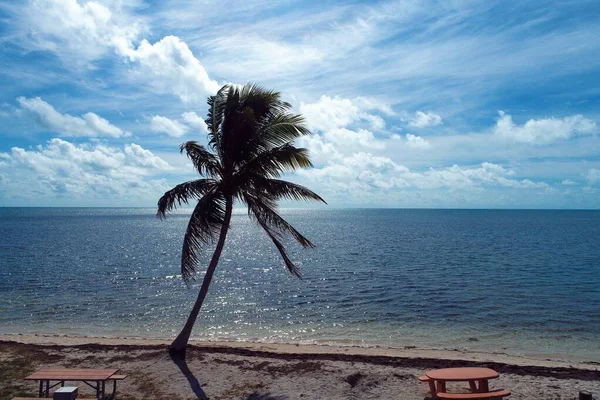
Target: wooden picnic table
x=477, y=377
x=95, y=378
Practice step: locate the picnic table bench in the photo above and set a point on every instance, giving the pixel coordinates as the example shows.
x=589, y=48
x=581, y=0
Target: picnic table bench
x=478, y=383
x=94, y=378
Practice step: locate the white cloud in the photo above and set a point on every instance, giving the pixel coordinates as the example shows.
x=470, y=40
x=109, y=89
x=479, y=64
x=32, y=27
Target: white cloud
x=568, y=182
x=376, y=121
x=175, y=128
x=358, y=139
x=336, y=112
x=166, y=125
x=486, y=174
x=88, y=124
x=270, y=57
x=369, y=171
x=329, y=113
x=77, y=32
x=425, y=119
x=138, y=156
x=170, y=66
x=194, y=120
x=416, y=142
x=62, y=168
x=320, y=151
x=369, y=103
x=593, y=176
x=544, y=131
x=85, y=32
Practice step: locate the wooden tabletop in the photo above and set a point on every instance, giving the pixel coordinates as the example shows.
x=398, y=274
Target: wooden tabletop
x=72, y=374
x=462, y=374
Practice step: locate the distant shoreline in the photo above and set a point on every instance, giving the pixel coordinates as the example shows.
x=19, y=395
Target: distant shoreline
x=304, y=349
x=322, y=208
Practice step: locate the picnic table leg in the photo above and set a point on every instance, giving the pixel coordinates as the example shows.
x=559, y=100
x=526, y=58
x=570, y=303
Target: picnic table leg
x=103, y=390
x=441, y=386
x=48, y=388
x=41, y=392
x=483, y=385
x=473, y=386
x=431, y=387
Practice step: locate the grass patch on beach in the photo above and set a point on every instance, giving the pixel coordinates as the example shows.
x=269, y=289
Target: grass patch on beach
x=12, y=373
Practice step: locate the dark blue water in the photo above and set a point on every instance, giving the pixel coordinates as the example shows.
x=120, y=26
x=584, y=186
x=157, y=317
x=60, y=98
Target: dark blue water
x=521, y=282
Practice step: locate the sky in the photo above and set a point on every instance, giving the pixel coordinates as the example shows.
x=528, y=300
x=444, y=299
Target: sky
x=433, y=104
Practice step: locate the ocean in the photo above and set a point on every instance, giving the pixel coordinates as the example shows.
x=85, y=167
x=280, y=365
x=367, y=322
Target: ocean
x=518, y=282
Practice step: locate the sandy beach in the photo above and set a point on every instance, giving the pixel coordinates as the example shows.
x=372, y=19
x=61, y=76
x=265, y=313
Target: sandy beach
x=239, y=370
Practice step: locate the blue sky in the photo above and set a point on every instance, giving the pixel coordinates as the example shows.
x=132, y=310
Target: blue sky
x=464, y=104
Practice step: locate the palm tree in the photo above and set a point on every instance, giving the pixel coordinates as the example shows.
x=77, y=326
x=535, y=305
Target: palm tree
x=250, y=133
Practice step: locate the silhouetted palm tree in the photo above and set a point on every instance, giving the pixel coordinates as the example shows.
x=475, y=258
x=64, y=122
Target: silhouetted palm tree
x=250, y=133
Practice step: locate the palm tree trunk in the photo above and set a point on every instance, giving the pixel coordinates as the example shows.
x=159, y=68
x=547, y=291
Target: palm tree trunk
x=181, y=341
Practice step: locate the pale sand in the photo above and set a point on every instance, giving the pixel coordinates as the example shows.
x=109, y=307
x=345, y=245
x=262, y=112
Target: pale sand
x=260, y=371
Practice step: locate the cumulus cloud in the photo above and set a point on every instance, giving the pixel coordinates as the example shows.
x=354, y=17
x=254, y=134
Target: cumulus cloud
x=593, y=176
x=425, y=119
x=544, y=131
x=85, y=32
x=336, y=112
x=192, y=119
x=373, y=171
x=329, y=113
x=173, y=68
x=169, y=126
x=140, y=157
x=320, y=150
x=416, y=142
x=77, y=32
x=369, y=103
x=175, y=128
x=375, y=121
x=63, y=168
x=88, y=124
x=360, y=138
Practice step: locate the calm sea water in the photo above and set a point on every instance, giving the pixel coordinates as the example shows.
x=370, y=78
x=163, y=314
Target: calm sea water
x=520, y=282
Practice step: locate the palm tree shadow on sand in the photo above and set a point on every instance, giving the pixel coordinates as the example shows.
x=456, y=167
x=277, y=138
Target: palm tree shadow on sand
x=179, y=360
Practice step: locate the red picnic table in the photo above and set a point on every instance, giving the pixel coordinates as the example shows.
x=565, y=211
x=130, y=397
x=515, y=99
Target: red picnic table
x=478, y=383
x=95, y=378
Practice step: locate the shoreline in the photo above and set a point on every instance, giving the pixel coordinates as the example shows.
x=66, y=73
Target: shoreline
x=298, y=349
x=267, y=371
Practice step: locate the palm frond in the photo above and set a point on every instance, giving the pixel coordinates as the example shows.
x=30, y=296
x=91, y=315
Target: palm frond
x=216, y=110
x=203, y=228
x=269, y=214
x=265, y=210
x=280, y=129
x=264, y=102
x=255, y=212
x=273, y=162
x=278, y=189
x=286, y=259
x=182, y=194
x=205, y=162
